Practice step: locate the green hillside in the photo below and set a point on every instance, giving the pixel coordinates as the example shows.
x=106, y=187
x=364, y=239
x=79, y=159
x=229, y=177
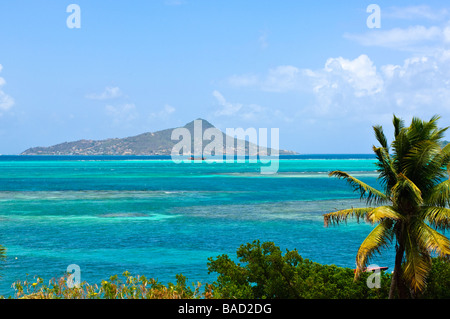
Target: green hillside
x=156, y=143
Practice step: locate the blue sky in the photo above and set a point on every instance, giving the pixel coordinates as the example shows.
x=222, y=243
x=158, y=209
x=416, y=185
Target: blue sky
x=313, y=69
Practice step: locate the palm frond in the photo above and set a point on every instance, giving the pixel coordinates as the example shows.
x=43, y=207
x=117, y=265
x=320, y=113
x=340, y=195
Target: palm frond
x=388, y=175
x=431, y=240
x=380, y=237
x=445, y=156
x=383, y=212
x=423, y=164
x=439, y=195
x=342, y=215
x=399, y=124
x=434, y=133
x=406, y=190
x=419, y=156
x=438, y=134
x=381, y=138
x=371, y=194
x=420, y=130
x=400, y=146
x=438, y=217
x=417, y=264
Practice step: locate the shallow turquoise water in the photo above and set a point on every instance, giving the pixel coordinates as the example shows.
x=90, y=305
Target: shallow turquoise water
x=157, y=218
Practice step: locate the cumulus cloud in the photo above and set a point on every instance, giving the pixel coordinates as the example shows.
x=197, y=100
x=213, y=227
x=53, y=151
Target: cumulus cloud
x=357, y=88
x=227, y=108
x=6, y=101
x=343, y=86
x=359, y=74
x=421, y=83
x=107, y=94
x=419, y=86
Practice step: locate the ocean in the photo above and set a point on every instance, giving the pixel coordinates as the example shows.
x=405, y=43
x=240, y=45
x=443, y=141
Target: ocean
x=153, y=217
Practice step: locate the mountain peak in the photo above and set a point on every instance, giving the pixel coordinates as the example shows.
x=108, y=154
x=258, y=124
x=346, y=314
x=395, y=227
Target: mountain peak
x=205, y=124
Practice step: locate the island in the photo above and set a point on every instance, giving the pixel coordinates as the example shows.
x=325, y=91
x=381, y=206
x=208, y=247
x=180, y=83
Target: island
x=150, y=143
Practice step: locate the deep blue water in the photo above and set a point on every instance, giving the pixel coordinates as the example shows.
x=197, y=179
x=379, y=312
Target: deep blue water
x=152, y=217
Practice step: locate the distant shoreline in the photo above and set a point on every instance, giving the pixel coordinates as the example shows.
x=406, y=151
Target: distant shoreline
x=169, y=158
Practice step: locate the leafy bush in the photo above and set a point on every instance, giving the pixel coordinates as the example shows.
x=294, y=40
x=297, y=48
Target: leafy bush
x=267, y=273
x=438, y=281
x=263, y=272
x=131, y=287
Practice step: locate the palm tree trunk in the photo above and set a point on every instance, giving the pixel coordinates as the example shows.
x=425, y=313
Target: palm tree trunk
x=393, y=284
x=397, y=283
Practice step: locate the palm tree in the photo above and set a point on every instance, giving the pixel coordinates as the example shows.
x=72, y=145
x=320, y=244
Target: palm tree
x=412, y=207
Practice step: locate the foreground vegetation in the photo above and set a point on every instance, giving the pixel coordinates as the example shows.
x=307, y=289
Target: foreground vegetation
x=263, y=272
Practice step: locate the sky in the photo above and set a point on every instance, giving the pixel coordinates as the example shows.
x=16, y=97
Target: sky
x=323, y=72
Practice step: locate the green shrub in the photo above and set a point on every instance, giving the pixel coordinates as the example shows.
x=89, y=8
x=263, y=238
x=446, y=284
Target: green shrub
x=438, y=281
x=264, y=272
x=132, y=287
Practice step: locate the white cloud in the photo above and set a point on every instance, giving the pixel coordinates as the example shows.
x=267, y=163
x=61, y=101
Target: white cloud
x=420, y=86
x=227, y=108
x=446, y=34
x=6, y=101
x=421, y=83
x=108, y=94
x=415, y=12
x=430, y=32
x=360, y=74
x=243, y=80
x=418, y=38
x=168, y=109
x=402, y=38
x=357, y=88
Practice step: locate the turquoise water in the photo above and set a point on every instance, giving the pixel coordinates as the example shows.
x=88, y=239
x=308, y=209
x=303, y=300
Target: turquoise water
x=156, y=218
